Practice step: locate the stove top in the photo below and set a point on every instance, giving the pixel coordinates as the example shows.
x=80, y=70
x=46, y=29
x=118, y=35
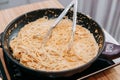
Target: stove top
x=99, y=64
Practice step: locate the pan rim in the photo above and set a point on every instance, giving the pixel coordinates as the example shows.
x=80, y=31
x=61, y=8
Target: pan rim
x=53, y=72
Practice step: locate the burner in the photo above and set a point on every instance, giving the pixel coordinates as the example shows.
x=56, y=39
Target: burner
x=16, y=74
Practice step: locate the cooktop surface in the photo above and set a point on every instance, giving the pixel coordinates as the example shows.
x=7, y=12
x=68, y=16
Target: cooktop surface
x=17, y=74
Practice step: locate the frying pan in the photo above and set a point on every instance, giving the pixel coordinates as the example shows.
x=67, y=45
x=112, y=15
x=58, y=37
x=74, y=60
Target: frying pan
x=13, y=28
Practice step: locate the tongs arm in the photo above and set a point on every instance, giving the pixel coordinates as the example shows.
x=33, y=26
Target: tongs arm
x=63, y=14
x=74, y=16
x=74, y=24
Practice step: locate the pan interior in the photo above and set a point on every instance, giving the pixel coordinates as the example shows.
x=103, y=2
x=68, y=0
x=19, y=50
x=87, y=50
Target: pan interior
x=14, y=27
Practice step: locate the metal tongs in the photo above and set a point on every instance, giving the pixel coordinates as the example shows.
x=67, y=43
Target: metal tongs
x=74, y=4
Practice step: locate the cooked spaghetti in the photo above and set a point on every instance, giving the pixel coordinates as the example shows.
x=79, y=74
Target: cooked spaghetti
x=54, y=55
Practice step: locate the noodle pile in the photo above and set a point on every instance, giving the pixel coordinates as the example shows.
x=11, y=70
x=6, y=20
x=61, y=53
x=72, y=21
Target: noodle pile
x=53, y=56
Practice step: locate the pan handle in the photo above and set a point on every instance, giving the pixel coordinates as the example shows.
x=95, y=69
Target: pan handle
x=111, y=51
x=1, y=39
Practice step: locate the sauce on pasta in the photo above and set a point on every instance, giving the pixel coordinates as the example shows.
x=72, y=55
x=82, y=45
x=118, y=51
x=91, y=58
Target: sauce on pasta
x=27, y=46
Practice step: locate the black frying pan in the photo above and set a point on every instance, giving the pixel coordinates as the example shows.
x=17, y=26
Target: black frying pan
x=13, y=28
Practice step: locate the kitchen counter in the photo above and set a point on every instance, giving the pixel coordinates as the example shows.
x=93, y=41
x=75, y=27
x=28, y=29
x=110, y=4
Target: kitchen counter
x=7, y=15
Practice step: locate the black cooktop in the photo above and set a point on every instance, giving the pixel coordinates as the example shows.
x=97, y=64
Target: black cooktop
x=16, y=74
